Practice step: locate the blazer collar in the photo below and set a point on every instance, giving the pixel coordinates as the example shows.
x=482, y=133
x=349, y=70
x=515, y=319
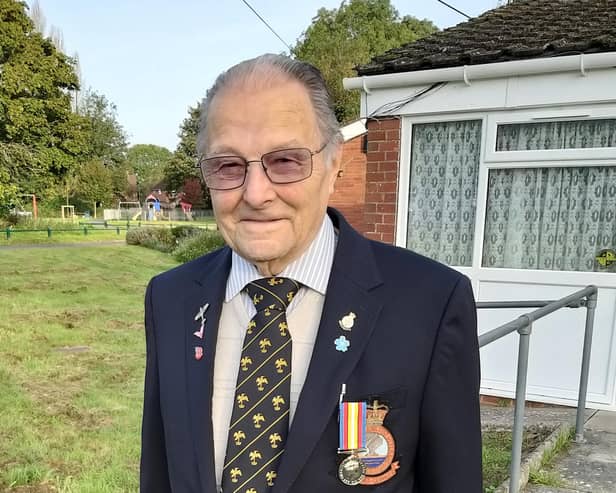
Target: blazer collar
x=354, y=274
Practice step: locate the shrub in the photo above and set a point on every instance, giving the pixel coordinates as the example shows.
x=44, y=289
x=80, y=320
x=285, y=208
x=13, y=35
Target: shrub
x=197, y=245
x=160, y=239
x=182, y=232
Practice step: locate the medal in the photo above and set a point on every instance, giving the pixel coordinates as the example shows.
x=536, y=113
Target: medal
x=352, y=471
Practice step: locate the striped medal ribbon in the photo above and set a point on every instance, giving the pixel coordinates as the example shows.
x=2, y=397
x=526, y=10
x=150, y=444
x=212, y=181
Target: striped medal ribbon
x=352, y=427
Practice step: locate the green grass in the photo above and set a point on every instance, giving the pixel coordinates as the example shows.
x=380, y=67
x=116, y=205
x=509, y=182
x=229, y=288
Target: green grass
x=70, y=418
x=497, y=454
x=544, y=475
x=72, y=356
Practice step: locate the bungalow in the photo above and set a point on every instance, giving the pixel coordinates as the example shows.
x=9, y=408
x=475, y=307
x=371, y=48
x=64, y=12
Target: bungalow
x=491, y=147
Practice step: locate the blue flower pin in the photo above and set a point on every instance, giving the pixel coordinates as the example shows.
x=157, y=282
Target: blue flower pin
x=342, y=344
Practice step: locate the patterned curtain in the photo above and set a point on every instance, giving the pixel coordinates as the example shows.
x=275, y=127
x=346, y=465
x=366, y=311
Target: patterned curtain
x=550, y=218
x=442, y=197
x=574, y=134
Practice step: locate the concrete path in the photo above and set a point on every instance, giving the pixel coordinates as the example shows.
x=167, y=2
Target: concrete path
x=588, y=467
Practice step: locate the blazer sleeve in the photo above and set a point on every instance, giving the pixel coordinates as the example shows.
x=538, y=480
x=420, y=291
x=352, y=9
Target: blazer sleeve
x=449, y=459
x=154, y=475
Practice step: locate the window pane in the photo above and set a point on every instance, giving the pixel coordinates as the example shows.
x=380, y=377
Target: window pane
x=550, y=218
x=575, y=134
x=442, y=197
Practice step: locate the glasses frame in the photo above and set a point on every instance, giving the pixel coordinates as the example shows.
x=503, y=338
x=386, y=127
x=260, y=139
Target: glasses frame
x=247, y=162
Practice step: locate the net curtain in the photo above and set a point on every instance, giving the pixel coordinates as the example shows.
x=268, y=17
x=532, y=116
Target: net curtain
x=442, y=198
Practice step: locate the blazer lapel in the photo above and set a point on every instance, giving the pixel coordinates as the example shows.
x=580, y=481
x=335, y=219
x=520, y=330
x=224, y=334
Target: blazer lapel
x=354, y=274
x=208, y=287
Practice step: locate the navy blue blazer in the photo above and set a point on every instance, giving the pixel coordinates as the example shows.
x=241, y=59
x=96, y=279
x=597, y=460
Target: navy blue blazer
x=413, y=346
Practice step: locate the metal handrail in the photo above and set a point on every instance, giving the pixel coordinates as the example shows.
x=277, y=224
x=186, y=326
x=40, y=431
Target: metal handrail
x=586, y=297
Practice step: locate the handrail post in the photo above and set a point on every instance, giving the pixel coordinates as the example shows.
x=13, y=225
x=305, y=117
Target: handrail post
x=591, y=304
x=520, y=399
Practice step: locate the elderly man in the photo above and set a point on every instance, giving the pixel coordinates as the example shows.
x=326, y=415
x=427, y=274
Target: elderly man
x=302, y=357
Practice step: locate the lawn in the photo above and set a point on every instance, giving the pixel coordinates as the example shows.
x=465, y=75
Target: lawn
x=71, y=370
x=71, y=367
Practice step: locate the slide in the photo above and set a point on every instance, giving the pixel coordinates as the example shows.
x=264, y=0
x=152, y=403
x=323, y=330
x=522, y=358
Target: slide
x=136, y=216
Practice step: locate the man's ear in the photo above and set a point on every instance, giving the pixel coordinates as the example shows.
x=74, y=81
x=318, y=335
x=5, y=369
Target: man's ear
x=335, y=167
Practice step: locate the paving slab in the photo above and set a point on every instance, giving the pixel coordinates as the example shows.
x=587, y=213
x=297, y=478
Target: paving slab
x=502, y=417
x=589, y=466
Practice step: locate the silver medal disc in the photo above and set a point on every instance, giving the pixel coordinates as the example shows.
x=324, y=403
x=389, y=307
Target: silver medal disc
x=352, y=471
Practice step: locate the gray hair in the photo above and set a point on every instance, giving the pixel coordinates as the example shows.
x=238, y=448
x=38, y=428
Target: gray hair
x=269, y=68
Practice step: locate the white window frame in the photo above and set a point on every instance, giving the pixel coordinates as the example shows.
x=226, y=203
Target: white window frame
x=539, y=115
x=404, y=176
x=491, y=159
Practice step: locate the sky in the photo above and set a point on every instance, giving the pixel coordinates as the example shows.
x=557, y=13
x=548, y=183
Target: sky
x=155, y=58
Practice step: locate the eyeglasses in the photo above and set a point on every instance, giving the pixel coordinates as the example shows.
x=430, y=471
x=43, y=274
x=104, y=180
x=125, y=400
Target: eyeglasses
x=281, y=167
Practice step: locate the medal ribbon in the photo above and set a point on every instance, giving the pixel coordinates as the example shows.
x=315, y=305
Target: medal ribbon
x=352, y=425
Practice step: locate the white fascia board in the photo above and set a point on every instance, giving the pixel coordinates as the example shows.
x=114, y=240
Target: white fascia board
x=468, y=73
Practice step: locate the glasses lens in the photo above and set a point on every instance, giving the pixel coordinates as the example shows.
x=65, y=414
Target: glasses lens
x=223, y=172
x=288, y=165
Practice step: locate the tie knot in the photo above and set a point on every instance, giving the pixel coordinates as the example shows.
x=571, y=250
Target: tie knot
x=273, y=293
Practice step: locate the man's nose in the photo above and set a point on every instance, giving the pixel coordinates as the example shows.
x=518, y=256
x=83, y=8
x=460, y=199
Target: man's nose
x=258, y=188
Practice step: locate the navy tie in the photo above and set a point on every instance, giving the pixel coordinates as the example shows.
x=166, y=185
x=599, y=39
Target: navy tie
x=260, y=419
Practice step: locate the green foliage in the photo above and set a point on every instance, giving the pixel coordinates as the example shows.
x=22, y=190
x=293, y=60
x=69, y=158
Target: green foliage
x=43, y=143
x=340, y=39
x=148, y=162
x=158, y=238
x=182, y=170
x=184, y=242
x=95, y=183
x=195, y=246
x=36, y=120
x=105, y=137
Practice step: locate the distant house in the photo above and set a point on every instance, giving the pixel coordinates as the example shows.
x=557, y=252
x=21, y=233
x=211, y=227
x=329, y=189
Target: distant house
x=491, y=147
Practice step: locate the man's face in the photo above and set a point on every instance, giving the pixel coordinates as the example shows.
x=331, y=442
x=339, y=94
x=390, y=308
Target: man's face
x=269, y=224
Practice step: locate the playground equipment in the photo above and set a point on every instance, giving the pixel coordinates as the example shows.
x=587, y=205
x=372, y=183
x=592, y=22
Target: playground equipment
x=68, y=212
x=129, y=210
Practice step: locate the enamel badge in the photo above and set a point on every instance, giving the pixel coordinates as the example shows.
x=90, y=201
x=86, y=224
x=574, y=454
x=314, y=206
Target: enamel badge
x=381, y=448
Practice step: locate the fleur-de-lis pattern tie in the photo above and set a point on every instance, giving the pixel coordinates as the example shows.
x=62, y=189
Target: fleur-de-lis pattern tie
x=260, y=419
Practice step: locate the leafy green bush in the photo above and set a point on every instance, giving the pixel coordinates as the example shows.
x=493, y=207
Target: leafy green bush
x=160, y=238
x=197, y=245
x=182, y=232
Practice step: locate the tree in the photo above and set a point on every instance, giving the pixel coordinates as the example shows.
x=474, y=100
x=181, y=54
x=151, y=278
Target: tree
x=105, y=137
x=340, y=39
x=182, y=166
x=149, y=163
x=41, y=137
x=94, y=183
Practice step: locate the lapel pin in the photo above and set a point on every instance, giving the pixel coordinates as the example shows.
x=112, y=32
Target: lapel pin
x=342, y=344
x=347, y=322
x=198, y=352
x=201, y=316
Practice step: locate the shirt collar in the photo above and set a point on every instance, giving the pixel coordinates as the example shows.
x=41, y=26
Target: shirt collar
x=312, y=269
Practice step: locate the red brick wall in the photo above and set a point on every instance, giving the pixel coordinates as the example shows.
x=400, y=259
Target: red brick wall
x=350, y=188
x=383, y=157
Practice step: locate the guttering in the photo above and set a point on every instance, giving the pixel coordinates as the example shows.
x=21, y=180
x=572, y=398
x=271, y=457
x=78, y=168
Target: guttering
x=468, y=73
